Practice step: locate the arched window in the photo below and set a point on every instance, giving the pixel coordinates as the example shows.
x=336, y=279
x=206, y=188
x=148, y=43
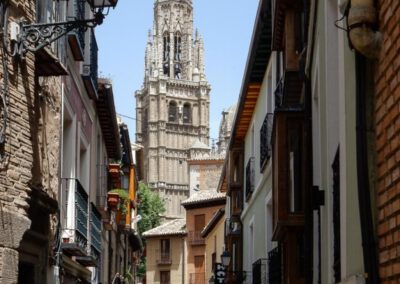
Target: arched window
x=177, y=47
x=187, y=113
x=172, y=112
x=166, y=53
x=177, y=55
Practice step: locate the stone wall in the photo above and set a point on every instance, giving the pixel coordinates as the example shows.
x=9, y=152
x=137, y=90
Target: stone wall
x=387, y=89
x=29, y=156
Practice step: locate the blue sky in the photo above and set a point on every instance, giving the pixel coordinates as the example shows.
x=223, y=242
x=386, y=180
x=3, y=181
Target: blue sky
x=226, y=26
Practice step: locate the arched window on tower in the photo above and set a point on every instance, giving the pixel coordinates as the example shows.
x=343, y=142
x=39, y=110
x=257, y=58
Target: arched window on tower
x=166, y=53
x=177, y=55
x=172, y=112
x=187, y=113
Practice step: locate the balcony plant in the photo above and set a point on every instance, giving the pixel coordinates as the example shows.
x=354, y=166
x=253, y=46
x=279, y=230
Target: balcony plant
x=122, y=205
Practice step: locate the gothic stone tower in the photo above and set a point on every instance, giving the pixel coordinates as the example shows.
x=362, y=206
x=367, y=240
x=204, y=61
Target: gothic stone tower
x=172, y=108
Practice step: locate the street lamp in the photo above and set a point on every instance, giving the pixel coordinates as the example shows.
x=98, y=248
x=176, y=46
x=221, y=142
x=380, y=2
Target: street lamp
x=225, y=258
x=33, y=37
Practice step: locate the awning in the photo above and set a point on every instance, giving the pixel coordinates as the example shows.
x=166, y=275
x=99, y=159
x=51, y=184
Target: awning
x=135, y=241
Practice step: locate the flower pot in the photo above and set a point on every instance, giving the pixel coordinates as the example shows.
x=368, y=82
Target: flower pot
x=112, y=200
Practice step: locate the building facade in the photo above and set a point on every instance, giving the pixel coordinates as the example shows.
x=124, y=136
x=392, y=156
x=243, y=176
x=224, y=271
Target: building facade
x=166, y=253
x=172, y=108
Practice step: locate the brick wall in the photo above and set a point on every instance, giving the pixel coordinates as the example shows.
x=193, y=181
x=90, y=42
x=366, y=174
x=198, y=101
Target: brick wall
x=387, y=110
x=29, y=157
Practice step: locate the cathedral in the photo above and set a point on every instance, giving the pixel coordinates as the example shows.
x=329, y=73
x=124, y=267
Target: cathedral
x=172, y=107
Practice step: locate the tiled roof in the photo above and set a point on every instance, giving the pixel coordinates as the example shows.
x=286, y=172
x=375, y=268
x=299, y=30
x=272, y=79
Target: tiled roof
x=204, y=196
x=174, y=227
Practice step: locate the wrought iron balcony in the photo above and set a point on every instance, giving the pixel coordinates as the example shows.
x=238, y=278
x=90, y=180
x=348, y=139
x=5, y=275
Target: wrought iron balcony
x=195, y=238
x=275, y=266
x=197, y=278
x=74, y=214
x=163, y=258
x=76, y=38
x=288, y=91
x=265, y=139
x=90, y=68
x=260, y=271
x=250, y=178
x=95, y=229
x=93, y=258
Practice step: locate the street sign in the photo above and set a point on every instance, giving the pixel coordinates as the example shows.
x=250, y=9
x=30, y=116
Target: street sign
x=220, y=273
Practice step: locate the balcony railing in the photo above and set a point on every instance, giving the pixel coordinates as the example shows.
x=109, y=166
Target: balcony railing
x=74, y=214
x=288, y=91
x=95, y=228
x=275, y=266
x=197, y=278
x=90, y=68
x=265, y=139
x=80, y=15
x=260, y=271
x=195, y=238
x=163, y=258
x=250, y=178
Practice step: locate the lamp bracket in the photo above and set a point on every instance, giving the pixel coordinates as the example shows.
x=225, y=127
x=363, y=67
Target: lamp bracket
x=34, y=37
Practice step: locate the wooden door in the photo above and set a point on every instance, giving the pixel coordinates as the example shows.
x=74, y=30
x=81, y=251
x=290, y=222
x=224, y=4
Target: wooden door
x=199, y=269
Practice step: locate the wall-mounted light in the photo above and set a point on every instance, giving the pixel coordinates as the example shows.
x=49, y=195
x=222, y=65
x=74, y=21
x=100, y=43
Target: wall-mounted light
x=33, y=37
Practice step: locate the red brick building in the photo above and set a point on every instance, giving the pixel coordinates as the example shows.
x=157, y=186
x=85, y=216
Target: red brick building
x=387, y=128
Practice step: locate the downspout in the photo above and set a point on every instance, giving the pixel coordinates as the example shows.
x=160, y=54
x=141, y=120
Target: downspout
x=364, y=198
x=362, y=22
x=183, y=260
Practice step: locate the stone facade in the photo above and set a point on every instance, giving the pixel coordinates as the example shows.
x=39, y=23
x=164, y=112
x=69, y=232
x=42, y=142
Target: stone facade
x=29, y=160
x=172, y=107
x=387, y=90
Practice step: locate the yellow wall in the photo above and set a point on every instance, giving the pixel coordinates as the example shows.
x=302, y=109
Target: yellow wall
x=177, y=247
x=214, y=243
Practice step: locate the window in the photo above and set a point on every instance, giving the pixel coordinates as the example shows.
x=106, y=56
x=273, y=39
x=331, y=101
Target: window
x=166, y=52
x=172, y=112
x=164, y=277
x=177, y=56
x=187, y=116
x=165, y=249
x=177, y=47
x=199, y=222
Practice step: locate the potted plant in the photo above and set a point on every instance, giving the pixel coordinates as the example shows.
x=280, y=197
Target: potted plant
x=122, y=205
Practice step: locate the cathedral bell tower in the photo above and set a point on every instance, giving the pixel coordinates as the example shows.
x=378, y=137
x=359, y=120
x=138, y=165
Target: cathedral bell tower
x=172, y=107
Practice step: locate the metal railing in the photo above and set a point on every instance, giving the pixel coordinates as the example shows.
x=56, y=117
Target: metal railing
x=95, y=229
x=163, y=257
x=260, y=271
x=74, y=220
x=250, y=177
x=195, y=238
x=265, y=139
x=275, y=266
x=80, y=15
x=197, y=278
x=81, y=214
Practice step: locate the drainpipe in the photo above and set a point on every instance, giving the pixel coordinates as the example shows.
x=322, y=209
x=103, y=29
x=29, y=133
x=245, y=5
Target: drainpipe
x=369, y=245
x=183, y=260
x=362, y=22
